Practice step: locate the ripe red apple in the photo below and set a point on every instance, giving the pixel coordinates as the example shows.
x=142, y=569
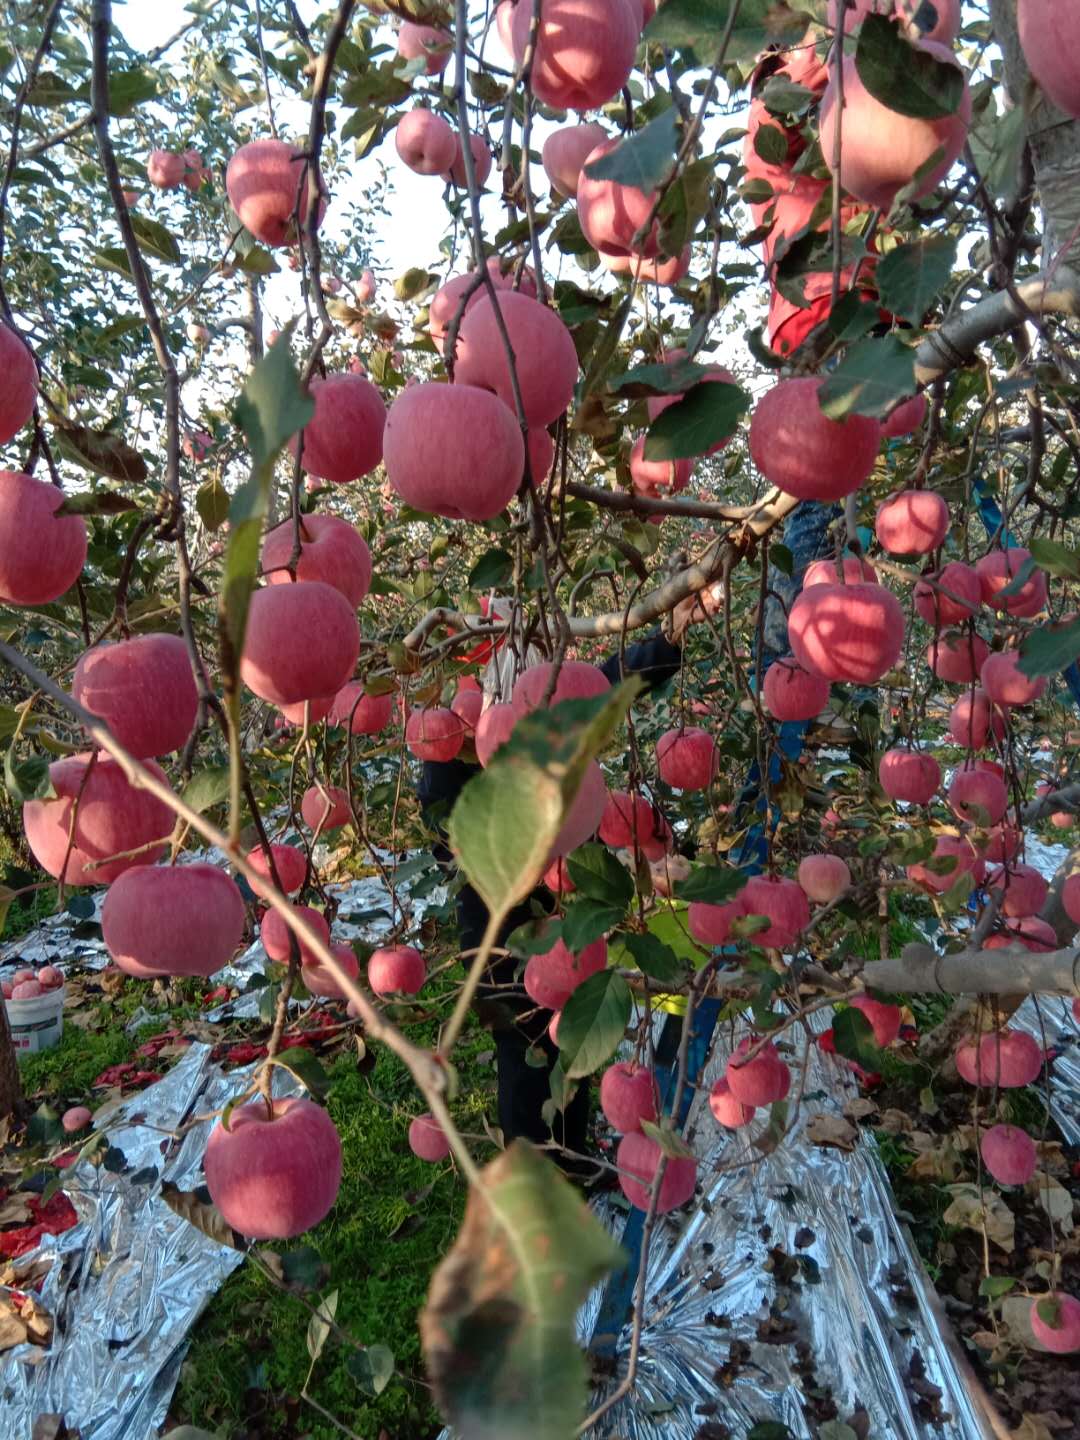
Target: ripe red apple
x=565, y=152
x=143, y=689
x=783, y=902
x=325, y=808
x=1008, y=1058
x=267, y=183
x=912, y=523
x=972, y=718
x=657, y=478
x=1059, y=819
x=302, y=642
x=290, y=863
x=909, y=775
x=629, y=822
x=851, y=570
x=493, y=729
x=1025, y=890
x=945, y=14
x=28, y=990
x=41, y=556
x=76, y=1118
x=1051, y=48
x=309, y=711
x=791, y=693
x=545, y=358
x=761, y=1080
x=331, y=550
x=427, y=1139
x=1003, y=843
x=804, y=453
x=628, y=1095
x=1070, y=897
x=1006, y=684
x=906, y=418
x=577, y=680
x=957, y=655
x=467, y=705
x=584, y=50
x=371, y=714
x=18, y=395
x=275, y=934
x=726, y=1110
x=711, y=924
x=1055, y=1318
x=954, y=596
x=425, y=142
x=552, y=977
x=50, y=977
x=343, y=440
x=318, y=979
x=164, y=170
x=656, y=271
x=978, y=796
x=429, y=42
x=396, y=970
x=686, y=759
x=1029, y=932
x=611, y=215
x=481, y=156
x=967, y=859
x=434, y=734
x=999, y=570
x=852, y=633
x=638, y=1159
x=274, y=1176
x=557, y=878
x=172, y=920
x=453, y=450
x=823, y=878
x=881, y=150
x=113, y=817
x=447, y=300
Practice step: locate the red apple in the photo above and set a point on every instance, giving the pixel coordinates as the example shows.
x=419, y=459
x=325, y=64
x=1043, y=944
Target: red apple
x=638, y=1159
x=331, y=550
x=545, y=358
x=552, y=977
x=565, y=152
x=267, y=183
x=290, y=863
x=1006, y=684
x=493, y=729
x=955, y=595
x=763, y=1079
x=172, y=920
x=18, y=395
x=823, y=878
x=434, y=734
x=429, y=42
x=425, y=142
x=783, y=902
x=885, y=1020
x=978, y=796
x=850, y=570
x=302, y=642
x=276, y=935
x=728, y=1111
x=912, y=523
x=804, y=453
x=686, y=759
x=577, y=680
x=612, y=215
x=998, y=572
x=907, y=417
x=972, y=718
x=113, y=817
x=943, y=18
x=319, y=980
x=274, y=1176
x=427, y=1139
x=343, y=440
x=1052, y=50
x=481, y=156
x=397, y=970
x=628, y=1095
x=370, y=714
x=791, y=693
x=41, y=555
x=1055, y=1318
x=852, y=633
x=967, y=859
x=325, y=808
x=957, y=655
x=143, y=689
x=909, y=775
x=711, y=924
x=584, y=50
x=1025, y=890
x=164, y=170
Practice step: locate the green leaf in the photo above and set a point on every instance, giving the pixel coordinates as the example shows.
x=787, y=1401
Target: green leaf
x=96, y=502
x=871, y=378
x=113, y=257
x=207, y=789
x=769, y=1430
x=684, y=205
x=493, y=569
x=585, y=921
x=1050, y=649
x=713, y=884
x=781, y=558
x=646, y=380
x=319, y=1325
x=306, y=1067
x=995, y=1286
x=652, y=957
x=644, y=159
x=593, y=1023
x=27, y=779
x=903, y=78
x=599, y=876
x=212, y=502
x=372, y=1368
x=128, y=88
x=707, y=414
x=101, y=452
x=498, y=1330
x=771, y=144
x=911, y=277
x=413, y=283
x=671, y=1143
x=1056, y=559
x=502, y=829
x=852, y=317
x=155, y=239
x=699, y=24
x=853, y=1036
x=272, y=407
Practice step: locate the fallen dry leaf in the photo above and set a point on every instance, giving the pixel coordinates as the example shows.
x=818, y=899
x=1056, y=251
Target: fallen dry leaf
x=860, y=1108
x=1052, y=1197
x=1039, y=1427
x=895, y=1122
x=1016, y=1315
x=938, y=1161
x=25, y=1322
x=15, y=1210
x=974, y=1211
x=831, y=1130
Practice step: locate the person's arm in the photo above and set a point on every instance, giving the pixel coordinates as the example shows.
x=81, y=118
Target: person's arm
x=658, y=657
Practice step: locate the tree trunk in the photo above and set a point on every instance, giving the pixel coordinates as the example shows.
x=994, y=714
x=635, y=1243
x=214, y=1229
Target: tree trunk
x=1055, y=145
x=10, y=1084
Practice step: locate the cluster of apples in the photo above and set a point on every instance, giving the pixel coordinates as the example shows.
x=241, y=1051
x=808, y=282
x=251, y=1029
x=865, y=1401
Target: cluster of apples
x=167, y=170
x=29, y=984
x=628, y=1097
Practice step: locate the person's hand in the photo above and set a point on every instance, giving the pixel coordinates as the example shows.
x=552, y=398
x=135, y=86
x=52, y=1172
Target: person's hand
x=694, y=609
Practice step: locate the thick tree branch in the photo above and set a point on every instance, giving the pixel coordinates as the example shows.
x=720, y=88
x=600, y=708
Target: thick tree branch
x=1015, y=971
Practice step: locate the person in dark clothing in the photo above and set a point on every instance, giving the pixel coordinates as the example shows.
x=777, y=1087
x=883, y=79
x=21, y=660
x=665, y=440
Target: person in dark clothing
x=517, y=1027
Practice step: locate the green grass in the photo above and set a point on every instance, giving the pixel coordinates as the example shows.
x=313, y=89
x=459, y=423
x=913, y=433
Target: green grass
x=67, y=1071
x=381, y=1242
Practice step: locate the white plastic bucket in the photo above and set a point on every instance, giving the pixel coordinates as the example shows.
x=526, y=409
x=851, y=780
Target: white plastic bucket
x=36, y=1024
